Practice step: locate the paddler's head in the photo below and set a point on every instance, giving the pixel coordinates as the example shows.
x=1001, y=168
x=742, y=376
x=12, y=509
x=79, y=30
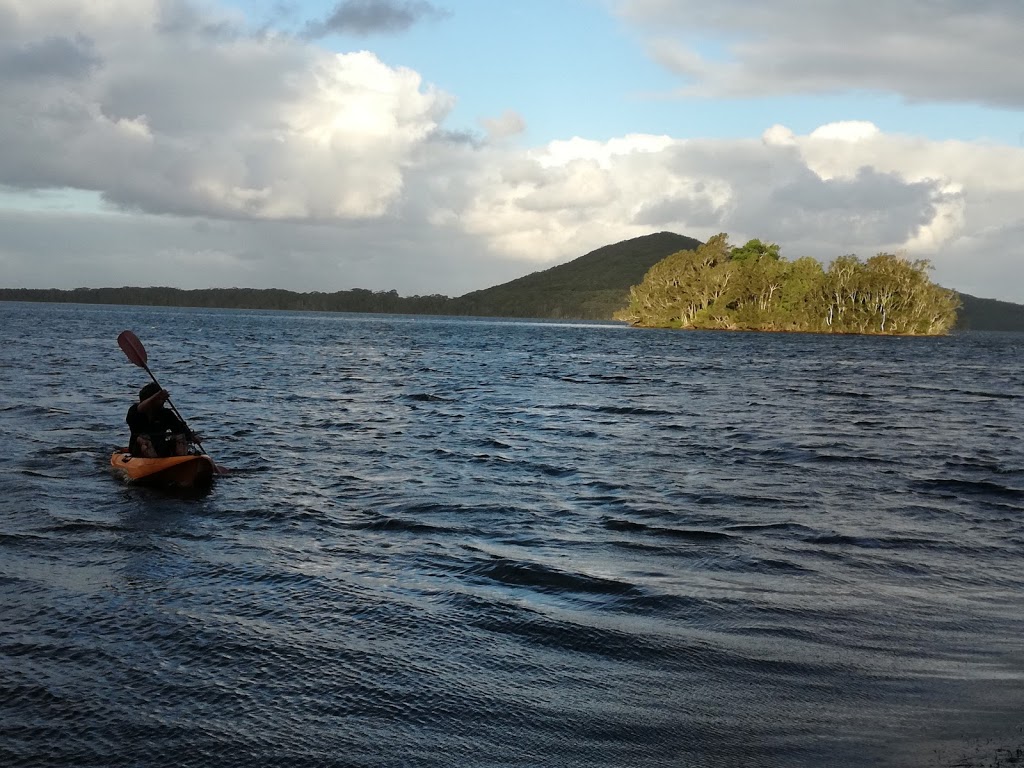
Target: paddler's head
x=148, y=391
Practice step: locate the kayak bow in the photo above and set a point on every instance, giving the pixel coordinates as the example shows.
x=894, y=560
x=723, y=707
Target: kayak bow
x=178, y=471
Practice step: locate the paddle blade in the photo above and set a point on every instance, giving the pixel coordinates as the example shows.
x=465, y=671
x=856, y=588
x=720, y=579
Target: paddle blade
x=132, y=347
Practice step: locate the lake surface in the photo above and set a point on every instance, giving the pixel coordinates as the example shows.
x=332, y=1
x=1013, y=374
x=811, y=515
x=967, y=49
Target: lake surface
x=466, y=542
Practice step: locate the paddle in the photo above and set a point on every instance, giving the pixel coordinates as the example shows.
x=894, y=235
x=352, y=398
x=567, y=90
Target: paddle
x=136, y=353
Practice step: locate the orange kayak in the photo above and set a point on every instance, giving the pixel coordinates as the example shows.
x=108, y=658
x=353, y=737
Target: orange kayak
x=178, y=471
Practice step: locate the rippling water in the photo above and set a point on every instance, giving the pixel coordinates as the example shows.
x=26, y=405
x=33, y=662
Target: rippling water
x=482, y=543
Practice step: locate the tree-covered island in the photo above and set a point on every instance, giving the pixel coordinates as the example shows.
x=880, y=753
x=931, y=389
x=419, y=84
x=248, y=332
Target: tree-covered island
x=590, y=287
x=751, y=287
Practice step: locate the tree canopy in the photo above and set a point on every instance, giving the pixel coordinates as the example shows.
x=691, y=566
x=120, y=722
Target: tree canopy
x=751, y=287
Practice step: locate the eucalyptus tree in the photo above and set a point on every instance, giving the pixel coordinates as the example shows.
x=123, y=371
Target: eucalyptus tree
x=753, y=287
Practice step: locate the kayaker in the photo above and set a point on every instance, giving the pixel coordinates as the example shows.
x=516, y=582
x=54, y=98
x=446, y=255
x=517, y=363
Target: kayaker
x=155, y=431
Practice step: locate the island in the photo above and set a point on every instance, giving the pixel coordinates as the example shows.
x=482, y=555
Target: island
x=752, y=288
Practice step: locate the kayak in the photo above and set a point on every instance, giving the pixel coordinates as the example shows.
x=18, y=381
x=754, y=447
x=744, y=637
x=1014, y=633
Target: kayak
x=177, y=471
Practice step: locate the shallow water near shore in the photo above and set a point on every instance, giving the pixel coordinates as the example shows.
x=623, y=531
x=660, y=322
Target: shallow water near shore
x=470, y=542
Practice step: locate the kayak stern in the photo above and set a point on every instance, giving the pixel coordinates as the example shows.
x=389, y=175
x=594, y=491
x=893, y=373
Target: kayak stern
x=172, y=471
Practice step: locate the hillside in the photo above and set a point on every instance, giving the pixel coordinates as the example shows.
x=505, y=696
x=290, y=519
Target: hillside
x=597, y=284
x=989, y=314
x=590, y=287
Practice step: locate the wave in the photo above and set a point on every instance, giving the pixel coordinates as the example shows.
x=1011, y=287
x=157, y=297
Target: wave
x=672, y=533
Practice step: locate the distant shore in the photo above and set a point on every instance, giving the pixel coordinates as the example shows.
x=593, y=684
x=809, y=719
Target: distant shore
x=975, y=314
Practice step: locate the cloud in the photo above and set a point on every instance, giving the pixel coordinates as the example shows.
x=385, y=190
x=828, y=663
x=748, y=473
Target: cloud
x=65, y=249
x=984, y=262
x=188, y=116
x=53, y=57
x=843, y=188
x=275, y=163
x=367, y=17
x=679, y=59
x=919, y=49
x=510, y=123
x=474, y=215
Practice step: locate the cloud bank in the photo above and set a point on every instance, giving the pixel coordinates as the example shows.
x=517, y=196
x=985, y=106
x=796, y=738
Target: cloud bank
x=209, y=155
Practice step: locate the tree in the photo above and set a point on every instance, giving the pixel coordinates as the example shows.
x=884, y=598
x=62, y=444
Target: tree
x=753, y=287
x=753, y=250
x=677, y=289
x=800, y=291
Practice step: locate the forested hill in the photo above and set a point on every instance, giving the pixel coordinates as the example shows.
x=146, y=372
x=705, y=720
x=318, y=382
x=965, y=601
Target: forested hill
x=989, y=314
x=590, y=287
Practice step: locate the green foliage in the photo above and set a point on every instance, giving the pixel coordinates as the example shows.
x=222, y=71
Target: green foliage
x=742, y=290
x=754, y=250
x=355, y=300
x=753, y=288
x=681, y=287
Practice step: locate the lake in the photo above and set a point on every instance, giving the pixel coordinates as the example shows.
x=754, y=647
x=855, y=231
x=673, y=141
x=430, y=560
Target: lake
x=474, y=542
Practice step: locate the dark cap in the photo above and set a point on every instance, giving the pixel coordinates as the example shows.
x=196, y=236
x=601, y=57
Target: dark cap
x=148, y=391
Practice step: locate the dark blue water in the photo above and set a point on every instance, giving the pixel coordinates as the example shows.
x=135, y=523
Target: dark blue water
x=479, y=543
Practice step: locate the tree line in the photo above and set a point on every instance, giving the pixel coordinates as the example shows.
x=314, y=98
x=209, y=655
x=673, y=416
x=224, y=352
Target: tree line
x=355, y=300
x=590, y=287
x=751, y=287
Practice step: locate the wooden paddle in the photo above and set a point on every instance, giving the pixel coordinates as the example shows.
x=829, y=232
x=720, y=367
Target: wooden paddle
x=133, y=349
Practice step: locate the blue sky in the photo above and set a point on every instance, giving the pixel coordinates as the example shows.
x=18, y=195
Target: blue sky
x=448, y=145
x=573, y=68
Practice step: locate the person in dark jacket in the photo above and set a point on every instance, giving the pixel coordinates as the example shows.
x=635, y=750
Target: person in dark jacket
x=155, y=431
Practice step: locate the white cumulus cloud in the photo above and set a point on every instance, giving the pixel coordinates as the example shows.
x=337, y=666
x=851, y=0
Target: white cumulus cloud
x=198, y=118
x=843, y=188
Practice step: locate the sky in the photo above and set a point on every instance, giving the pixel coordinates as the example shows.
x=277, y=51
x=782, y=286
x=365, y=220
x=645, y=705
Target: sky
x=443, y=146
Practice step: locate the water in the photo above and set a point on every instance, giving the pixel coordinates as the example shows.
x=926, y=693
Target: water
x=491, y=543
